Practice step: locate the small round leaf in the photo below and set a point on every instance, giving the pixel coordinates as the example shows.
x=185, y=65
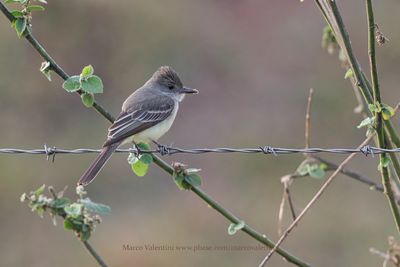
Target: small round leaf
x=20, y=26
x=34, y=8
x=87, y=99
x=92, y=84
x=146, y=158
x=140, y=168
x=87, y=71
x=72, y=84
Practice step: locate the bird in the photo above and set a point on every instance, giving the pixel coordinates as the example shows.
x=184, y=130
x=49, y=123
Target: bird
x=146, y=115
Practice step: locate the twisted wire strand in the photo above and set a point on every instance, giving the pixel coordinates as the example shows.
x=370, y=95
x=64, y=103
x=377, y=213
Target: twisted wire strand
x=170, y=150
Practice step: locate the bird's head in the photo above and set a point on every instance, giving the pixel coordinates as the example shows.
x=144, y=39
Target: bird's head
x=169, y=83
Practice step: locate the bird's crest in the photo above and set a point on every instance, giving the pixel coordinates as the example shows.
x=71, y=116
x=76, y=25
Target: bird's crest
x=166, y=75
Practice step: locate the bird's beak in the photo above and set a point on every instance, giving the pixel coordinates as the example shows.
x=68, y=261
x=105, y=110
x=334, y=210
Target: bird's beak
x=187, y=90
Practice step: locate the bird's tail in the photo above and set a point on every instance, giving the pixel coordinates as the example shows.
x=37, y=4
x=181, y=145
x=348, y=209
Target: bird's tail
x=98, y=164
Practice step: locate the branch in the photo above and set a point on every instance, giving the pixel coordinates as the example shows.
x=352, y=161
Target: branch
x=333, y=18
x=162, y=164
x=352, y=174
x=379, y=121
x=95, y=255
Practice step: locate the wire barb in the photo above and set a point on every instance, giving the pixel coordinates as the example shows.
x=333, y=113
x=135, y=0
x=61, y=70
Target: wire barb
x=163, y=149
x=50, y=151
x=268, y=150
x=367, y=150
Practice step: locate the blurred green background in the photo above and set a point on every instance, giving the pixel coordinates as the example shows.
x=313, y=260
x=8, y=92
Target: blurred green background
x=253, y=62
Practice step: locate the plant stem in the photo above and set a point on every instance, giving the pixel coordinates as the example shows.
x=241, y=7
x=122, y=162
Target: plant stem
x=352, y=174
x=94, y=254
x=334, y=19
x=392, y=133
x=162, y=164
x=379, y=122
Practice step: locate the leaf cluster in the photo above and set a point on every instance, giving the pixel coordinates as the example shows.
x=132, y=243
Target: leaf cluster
x=312, y=168
x=185, y=178
x=370, y=122
x=89, y=83
x=140, y=162
x=80, y=216
x=23, y=16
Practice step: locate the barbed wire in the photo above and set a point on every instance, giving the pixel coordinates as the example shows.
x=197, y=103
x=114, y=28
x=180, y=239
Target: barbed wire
x=170, y=150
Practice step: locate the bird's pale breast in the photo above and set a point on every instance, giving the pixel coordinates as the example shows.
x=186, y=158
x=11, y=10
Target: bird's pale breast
x=155, y=132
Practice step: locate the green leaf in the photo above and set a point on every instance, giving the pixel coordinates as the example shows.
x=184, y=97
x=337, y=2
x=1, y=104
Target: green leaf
x=92, y=84
x=95, y=207
x=42, y=1
x=87, y=71
x=146, y=158
x=60, y=203
x=34, y=8
x=20, y=26
x=316, y=172
x=17, y=14
x=328, y=39
x=72, y=84
x=303, y=169
x=12, y=1
x=387, y=112
x=349, y=74
x=180, y=182
x=193, y=179
x=374, y=108
x=384, y=163
x=233, y=227
x=87, y=99
x=39, y=191
x=68, y=225
x=74, y=210
x=366, y=122
x=143, y=146
x=140, y=168
x=40, y=210
x=312, y=168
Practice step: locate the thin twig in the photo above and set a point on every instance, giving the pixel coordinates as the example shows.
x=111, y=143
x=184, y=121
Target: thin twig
x=291, y=205
x=312, y=201
x=308, y=119
x=162, y=164
x=286, y=181
x=352, y=174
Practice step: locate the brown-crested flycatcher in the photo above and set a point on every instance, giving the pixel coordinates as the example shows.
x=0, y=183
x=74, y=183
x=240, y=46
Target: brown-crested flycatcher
x=146, y=115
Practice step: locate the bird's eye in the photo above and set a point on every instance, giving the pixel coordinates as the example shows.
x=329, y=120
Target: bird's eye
x=171, y=87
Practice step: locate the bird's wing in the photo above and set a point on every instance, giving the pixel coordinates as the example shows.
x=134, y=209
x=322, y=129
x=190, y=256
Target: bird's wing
x=139, y=117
